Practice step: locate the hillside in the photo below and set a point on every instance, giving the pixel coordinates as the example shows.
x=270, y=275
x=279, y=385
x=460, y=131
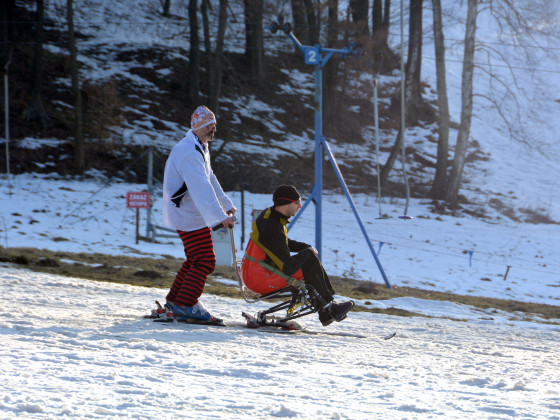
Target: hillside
x=134, y=97
x=474, y=303
x=133, y=75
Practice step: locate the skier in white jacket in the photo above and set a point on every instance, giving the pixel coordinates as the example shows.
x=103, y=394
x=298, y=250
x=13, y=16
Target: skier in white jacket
x=193, y=200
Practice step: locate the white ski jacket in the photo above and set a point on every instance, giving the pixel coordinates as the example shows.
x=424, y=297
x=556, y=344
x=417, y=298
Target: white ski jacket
x=192, y=196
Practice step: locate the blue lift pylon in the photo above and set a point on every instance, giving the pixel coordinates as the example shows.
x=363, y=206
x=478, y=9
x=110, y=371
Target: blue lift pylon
x=317, y=56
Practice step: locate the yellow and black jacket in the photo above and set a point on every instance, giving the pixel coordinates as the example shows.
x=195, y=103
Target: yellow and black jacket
x=270, y=233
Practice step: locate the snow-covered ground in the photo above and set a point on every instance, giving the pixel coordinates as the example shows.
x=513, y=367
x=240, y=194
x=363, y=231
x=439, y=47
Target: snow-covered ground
x=461, y=255
x=74, y=348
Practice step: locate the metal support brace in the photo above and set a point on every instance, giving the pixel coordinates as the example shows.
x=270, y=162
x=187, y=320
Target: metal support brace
x=355, y=210
x=318, y=57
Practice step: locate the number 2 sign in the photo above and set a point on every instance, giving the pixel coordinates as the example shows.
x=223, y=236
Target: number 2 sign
x=312, y=55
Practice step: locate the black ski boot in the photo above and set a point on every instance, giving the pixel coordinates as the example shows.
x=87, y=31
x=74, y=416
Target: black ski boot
x=339, y=311
x=325, y=316
x=335, y=312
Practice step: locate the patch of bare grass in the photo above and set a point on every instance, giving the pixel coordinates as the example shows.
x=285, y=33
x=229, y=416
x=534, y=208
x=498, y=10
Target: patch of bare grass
x=160, y=272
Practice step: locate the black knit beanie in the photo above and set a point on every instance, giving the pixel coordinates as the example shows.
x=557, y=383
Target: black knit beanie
x=285, y=194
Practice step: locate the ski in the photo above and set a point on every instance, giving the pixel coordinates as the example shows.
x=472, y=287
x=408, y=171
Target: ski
x=269, y=324
x=273, y=324
x=160, y=314
x=191, y=321
x=333, y=333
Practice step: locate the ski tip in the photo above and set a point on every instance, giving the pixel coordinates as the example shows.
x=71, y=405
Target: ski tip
x=388, y=337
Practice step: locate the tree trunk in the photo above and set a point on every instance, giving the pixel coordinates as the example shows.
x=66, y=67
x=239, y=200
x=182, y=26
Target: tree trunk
x=313, y=22
x=379, y=34
x=299, y=28
x=79, y=154
x=215, y=58
x=359, y=12
x=4, y=45
x=254, y=44
x=377, y=15
x=414, y=101
x=194, y=56
x=210, y=69
x=331, y=69
x=438, y=187
x=35, y=111
x=12, y=26
x=413, y=98
x=387, y=14
x=455, y=179
x=390, y=162
x=166, y=6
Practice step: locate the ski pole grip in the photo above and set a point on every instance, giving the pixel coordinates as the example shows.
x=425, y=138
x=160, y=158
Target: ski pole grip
x=219, y=225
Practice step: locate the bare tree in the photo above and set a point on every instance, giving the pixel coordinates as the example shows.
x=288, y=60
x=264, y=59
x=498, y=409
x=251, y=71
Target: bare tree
x=440, y=179
x=383, y=57
x=331, y=69
x=359, y=11
x=313, y=21
x=79, y=155
x=35, y=111
x=165, y=5
x=380, y=21
x=194, y=55
x=6, y=11
x=307, y=21
x=414, y=101
x=254, y=44
x=214, y=58
x=413, y=96
x=377, y=15
x=299, y=27
x=455, y=178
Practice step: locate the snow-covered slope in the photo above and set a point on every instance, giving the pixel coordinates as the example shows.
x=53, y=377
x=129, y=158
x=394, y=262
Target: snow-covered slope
x=459, y=255
x=522, y=81
x=73, y=348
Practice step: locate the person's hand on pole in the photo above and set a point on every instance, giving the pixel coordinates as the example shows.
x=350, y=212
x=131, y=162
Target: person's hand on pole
x=229, y=222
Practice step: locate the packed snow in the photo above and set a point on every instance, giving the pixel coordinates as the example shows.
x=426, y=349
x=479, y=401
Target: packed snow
x=462, y=255
x=74, y=348
x=77, y=348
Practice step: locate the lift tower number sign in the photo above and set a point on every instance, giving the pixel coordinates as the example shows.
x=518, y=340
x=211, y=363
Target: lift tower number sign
x=312, y=55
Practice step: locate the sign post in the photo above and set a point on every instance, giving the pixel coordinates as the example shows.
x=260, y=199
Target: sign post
x=138, y=200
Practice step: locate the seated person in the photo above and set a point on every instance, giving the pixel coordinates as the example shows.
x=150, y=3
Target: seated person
x=269, y=233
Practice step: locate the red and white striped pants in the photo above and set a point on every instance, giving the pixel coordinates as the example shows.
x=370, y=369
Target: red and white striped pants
x=201, y=261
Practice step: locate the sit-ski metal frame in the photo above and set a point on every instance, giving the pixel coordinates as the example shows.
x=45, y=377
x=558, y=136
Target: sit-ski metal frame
x=297, y=289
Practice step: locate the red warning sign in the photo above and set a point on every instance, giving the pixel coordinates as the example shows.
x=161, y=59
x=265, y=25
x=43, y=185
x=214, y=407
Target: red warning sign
x=138, y=200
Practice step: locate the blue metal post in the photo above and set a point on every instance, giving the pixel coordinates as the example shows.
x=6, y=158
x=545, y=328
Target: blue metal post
x=318, y=57
x=318, y=190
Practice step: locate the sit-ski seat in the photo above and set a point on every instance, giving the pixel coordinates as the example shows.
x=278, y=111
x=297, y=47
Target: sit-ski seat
x=268, y=282
x=261, y=278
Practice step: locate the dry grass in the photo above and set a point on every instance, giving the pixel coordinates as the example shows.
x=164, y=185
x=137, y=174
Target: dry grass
x=160, y=272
